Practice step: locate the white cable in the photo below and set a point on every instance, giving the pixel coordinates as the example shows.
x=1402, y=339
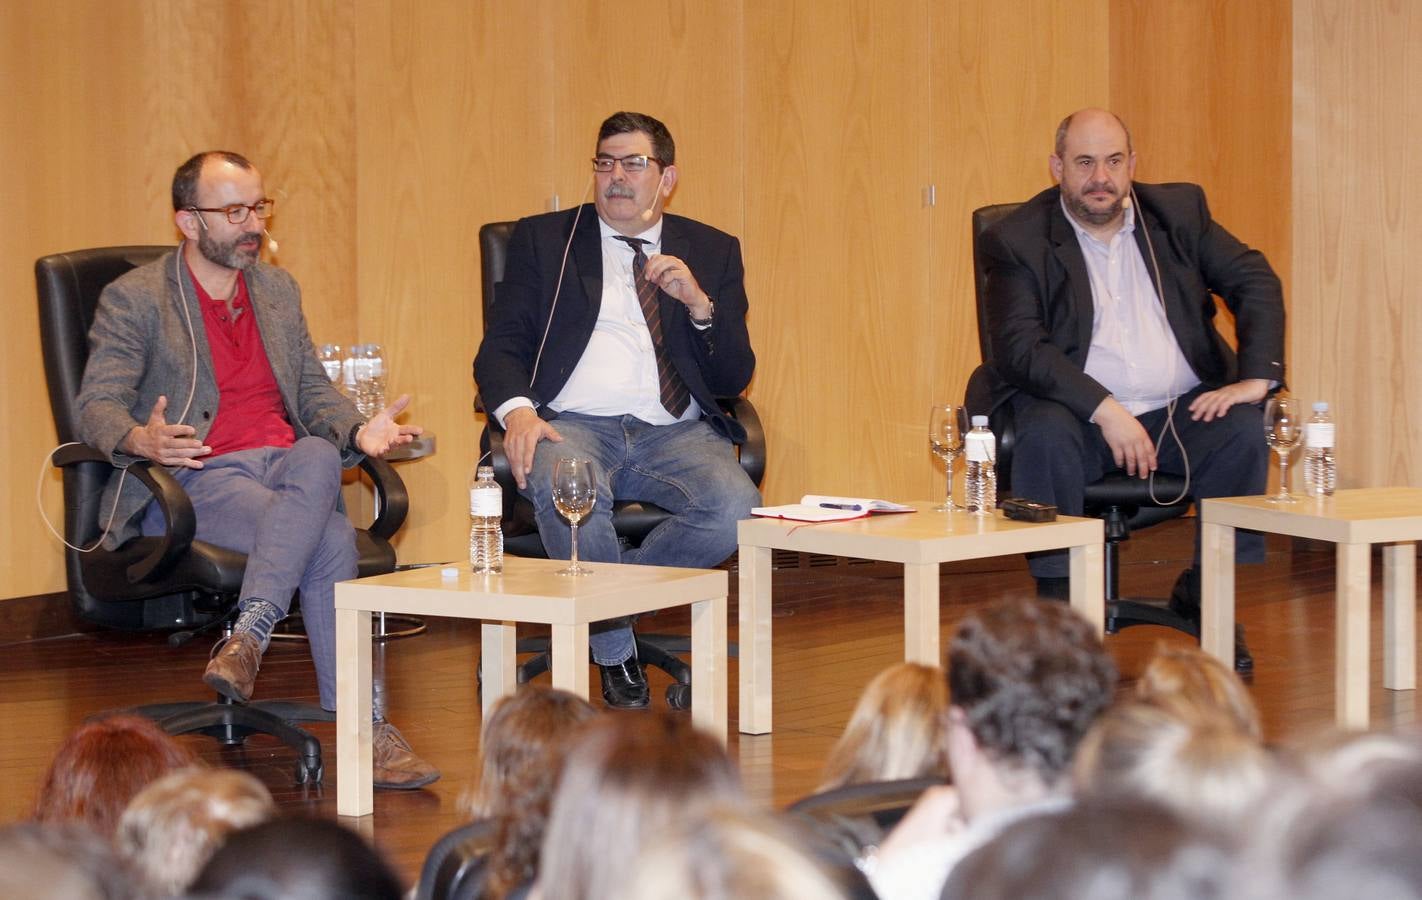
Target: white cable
x=39, y=501
x=558, y=288
x=1170, y=379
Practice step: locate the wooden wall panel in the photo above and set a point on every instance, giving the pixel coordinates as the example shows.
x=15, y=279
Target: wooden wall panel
x=453, y=117
x=1204, y=87
x=1356, y=228
x=1003, y=77
x=838, y=240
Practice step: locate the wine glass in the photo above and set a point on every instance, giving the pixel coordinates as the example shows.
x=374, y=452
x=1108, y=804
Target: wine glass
x=574, y=492
x=1283, y=429
x=945, y=439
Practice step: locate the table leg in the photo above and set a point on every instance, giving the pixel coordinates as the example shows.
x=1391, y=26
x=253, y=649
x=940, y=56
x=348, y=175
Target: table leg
x=921, y=613
x=1088, y=584
x=354, y=735
x=1217, y=592
x=1400, y=616
x=708, y=666
x=498, y=662
x=569, y=649
x=754, y=620
x=1354, y=591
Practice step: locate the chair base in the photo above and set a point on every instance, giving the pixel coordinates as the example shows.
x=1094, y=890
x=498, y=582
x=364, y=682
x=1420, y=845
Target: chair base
x=1128, y=612
x=232, y=723
x=292, y=628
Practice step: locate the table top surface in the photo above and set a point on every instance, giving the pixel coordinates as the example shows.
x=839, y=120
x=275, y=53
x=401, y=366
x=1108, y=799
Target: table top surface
x=1353, y=515
x=923, y=536
x=530, y=590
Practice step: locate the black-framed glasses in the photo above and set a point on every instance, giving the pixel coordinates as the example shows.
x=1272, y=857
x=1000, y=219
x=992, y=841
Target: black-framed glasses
x=237, y=212
x=632, y=165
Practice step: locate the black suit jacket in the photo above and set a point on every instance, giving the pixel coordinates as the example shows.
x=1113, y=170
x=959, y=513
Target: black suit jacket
x=1040, y=305
x=717, y=362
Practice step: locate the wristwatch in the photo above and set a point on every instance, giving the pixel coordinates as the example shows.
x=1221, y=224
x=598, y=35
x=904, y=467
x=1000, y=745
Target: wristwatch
x=703, y=323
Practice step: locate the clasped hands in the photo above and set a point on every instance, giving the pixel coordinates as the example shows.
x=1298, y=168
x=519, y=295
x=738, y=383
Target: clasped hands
x=175, y=445
x=1132, y=447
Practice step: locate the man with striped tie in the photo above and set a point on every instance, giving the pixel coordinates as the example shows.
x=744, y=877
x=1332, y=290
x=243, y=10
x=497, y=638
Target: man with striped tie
x=614, y=330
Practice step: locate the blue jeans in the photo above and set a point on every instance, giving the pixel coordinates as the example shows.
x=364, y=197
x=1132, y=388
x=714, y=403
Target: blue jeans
x=686, y=468
x=280, y=508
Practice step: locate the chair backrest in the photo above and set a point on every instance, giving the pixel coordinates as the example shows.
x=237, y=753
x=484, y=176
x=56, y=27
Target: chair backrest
x=984, y=217
x=455, y=865
x=859, y=815
x=493, y=256
x=69, y=285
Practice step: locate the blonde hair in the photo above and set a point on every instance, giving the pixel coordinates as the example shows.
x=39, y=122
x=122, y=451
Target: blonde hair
x=173, y=826
x=730, y=854
x=896, y=731
x=627, y=777
x=1208, y=773
x=1190, y=684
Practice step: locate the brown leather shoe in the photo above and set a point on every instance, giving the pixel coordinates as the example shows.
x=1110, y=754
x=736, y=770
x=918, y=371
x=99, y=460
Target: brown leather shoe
x=232, y=671
x=396, y=765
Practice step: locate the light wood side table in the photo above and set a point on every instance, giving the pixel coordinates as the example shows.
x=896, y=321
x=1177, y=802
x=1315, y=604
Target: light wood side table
x=527, y=591
x=920, y=541
x=1354, y=520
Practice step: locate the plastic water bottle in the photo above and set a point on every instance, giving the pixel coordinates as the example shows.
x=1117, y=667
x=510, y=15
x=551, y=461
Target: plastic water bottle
x=1320, y=471
x=369, y=364
x=330, y=356
x=486, y=509
x=348, y=371
x=980, y=485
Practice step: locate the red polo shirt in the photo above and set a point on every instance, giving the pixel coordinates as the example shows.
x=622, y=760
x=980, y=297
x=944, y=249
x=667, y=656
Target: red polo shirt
x=249, y=409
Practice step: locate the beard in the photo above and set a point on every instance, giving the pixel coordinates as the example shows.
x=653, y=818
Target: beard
x=239, y=253
x=1076, y=202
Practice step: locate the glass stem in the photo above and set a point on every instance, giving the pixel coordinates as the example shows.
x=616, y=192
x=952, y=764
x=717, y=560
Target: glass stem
x=573, y=558
x=948, y=499
x=1283, y=474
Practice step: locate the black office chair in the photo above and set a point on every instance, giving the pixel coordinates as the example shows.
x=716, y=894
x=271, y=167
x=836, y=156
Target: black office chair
x=456, y=866
x=633, y=520
x=172, y=582
x=1121, y=501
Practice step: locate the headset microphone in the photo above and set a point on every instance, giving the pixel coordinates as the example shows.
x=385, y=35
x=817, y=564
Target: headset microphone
x=271, y=241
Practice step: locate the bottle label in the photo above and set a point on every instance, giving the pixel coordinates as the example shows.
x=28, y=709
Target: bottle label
x=484, y=502
x=1319, y=435
x=979, y=447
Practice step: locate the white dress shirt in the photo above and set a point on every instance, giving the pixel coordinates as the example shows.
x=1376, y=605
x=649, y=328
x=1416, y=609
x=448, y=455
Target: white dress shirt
x=617, y=374
x=1133, y=352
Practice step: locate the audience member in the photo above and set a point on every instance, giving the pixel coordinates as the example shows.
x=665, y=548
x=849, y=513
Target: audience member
x=1207, y=772
x=101, y=766
x=1101, y=852
x=1027, y=680
x=731, y=854
x=61, y=862
x=297, y=859
x=896, y=730
x=626, y=780
x=174, y=825
x=1188, y=682
x=524, y=743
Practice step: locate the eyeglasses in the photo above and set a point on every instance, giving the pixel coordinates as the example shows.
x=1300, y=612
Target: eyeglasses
x=237, y=212
x=630, y=164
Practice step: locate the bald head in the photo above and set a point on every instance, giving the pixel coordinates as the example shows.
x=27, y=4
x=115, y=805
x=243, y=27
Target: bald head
x=1091, y=118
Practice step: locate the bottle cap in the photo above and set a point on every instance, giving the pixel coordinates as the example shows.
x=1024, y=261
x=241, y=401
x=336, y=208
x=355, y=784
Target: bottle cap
x=1320, y=406
x=980, y=421
x=485, y=471
x=449, y=572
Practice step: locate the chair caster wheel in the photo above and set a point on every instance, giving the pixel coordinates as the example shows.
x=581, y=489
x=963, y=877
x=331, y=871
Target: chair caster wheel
x=679, y=695
x=310, y=773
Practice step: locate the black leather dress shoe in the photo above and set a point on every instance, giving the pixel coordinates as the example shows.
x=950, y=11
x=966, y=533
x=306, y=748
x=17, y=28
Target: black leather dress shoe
x=1055, y=588
x=1185, y=602
x=624, y=686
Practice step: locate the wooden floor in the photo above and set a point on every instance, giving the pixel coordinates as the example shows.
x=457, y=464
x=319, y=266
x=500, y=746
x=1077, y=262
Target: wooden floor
x=836, y=624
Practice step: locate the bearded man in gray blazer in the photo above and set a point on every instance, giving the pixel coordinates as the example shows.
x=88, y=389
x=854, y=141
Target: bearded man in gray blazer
x=201, y=362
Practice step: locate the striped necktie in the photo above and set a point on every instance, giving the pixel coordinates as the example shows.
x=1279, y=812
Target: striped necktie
x=674, y=394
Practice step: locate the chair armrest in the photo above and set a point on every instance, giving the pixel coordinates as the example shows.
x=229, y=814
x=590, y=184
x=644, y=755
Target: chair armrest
x=752, y=452
x=171, y=499
x=392, y=501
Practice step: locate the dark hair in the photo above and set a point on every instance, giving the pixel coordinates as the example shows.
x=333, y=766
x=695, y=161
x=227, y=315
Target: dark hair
x=101, y=766
x=1117, y=851
x=663, y=147
x=313, y=859
x=1030, y=678
x=185, y=180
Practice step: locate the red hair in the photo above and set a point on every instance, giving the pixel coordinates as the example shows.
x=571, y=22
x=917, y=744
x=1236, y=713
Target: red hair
x=99, y=768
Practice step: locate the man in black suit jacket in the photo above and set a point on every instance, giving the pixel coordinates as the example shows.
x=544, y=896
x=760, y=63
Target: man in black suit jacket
x=1100, y=310
x=614, y=330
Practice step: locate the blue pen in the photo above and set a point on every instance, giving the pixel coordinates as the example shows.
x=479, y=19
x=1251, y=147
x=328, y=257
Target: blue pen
x=854, y=507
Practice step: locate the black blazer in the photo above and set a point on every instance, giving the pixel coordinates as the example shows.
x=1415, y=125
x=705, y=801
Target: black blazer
x=717, y=362
x=1040, y=305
